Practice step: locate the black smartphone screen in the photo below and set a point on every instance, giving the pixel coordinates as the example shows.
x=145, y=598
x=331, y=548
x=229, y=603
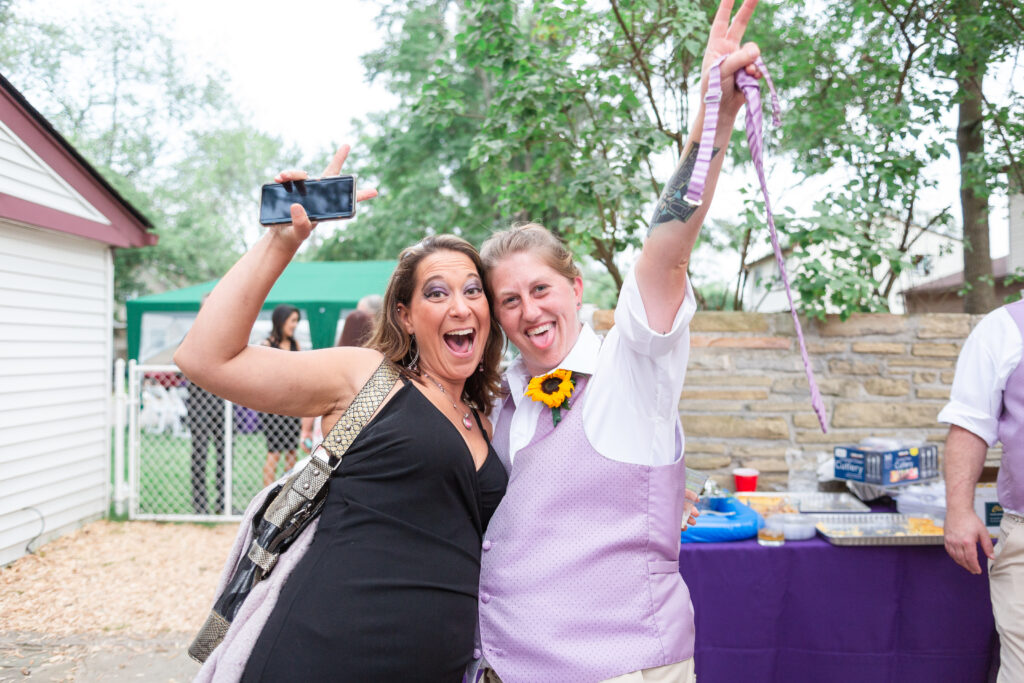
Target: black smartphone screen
x=323, y=199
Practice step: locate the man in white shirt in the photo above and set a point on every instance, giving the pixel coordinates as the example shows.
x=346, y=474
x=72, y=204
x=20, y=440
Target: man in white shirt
x=987, y=405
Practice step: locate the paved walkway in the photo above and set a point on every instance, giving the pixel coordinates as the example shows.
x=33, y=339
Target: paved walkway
x=29, y=656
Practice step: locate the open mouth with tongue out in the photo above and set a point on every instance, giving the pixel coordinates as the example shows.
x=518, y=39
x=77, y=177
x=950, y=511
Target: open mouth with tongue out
x=542, y=336
x=460, y=342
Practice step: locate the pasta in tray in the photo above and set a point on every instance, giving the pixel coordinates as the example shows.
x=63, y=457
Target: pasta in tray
x=768, y=505
x=879, y=529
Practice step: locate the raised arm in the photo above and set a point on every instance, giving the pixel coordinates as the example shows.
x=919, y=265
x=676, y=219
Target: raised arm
x=216, y=354
x=661, y=269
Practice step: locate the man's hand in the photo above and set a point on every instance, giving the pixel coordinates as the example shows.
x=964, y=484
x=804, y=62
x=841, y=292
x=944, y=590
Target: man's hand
x=963, y=531
x=963, y=461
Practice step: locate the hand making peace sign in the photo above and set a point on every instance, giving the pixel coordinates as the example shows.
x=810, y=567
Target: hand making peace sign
x=725, y=40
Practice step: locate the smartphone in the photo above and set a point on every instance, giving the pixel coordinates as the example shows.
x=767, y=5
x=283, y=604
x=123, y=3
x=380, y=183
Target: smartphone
x=324, y=199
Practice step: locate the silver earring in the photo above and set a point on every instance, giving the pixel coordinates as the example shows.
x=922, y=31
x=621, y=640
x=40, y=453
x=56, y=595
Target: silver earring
x=415, y=354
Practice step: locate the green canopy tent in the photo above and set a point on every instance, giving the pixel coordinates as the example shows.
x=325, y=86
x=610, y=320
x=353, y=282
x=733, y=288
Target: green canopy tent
x=321, y=289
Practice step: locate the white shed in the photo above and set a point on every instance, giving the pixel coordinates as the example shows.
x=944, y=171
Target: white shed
x=59, y=224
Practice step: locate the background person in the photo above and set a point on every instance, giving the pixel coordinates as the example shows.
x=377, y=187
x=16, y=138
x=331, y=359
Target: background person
x=357, y=329
x=205, y=424
x=580, y=576
x=387, y=588
x=986, y=405
x=371, y=303
x=205, y=419
x=282, y=431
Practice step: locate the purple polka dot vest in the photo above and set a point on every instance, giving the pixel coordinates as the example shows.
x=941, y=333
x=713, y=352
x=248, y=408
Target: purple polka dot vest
x=1010, y=484
x=580, y=565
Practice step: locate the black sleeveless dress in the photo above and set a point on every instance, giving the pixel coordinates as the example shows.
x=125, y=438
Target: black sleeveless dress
x=387, y=590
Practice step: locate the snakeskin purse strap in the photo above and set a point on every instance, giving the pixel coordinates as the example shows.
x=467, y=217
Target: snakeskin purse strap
x=754, y=123
x=305, y=485
x=359, y=412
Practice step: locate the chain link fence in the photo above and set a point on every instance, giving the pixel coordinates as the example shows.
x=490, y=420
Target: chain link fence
x=193, y=456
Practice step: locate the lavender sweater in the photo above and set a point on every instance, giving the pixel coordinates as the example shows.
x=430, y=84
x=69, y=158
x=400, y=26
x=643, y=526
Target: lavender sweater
x=227, y=663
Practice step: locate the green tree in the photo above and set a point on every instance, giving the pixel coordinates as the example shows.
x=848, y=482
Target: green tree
x=869, y=83
x=982, y=33
x=172, y=143
x=558, y=112
x=508, y=111
x=416, y=159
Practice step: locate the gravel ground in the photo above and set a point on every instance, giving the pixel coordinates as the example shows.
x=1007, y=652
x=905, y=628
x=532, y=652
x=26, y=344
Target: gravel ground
x=110, y=602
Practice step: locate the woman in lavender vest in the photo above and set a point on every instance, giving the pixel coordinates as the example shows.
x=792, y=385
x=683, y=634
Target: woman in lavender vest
x=579, y=575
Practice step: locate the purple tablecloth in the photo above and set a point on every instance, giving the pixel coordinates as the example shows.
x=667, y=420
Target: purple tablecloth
x=811, y=611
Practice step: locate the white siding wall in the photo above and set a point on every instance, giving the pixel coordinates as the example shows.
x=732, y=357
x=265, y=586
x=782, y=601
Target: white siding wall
x=25, y=176
x=55, y=374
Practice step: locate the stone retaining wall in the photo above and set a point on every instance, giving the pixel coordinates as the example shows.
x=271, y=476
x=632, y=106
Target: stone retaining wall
x=745, y=400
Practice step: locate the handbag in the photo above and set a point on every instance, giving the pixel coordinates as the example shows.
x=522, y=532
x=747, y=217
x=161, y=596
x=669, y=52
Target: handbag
x=289, y=508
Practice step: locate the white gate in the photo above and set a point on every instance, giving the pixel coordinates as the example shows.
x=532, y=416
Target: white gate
x=191, y=456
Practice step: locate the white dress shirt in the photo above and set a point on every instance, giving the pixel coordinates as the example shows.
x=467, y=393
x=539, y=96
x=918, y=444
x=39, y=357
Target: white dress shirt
x=631, y=413
x=991, y=353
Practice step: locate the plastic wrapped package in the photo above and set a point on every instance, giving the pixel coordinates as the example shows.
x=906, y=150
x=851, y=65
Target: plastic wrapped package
x=923, y=499
x=793, y=527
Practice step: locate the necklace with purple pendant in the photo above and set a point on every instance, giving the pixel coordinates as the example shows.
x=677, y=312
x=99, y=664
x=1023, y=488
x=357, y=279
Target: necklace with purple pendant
x=467, y=421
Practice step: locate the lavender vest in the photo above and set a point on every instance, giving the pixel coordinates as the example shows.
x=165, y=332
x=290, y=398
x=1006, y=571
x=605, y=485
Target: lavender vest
x=580, y=571
x=1010, y=484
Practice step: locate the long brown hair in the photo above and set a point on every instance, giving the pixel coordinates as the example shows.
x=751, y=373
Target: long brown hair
x=277, y=319
x=391, y=339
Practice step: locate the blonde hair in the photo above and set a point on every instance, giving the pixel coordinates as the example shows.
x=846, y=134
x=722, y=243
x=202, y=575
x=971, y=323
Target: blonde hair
x=533, y=238
x=390, y=338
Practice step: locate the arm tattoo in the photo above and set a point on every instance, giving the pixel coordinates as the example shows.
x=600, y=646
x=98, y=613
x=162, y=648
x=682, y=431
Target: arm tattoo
x=672, y=205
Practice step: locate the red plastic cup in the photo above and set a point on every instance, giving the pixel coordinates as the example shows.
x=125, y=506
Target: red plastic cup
x=745, y=478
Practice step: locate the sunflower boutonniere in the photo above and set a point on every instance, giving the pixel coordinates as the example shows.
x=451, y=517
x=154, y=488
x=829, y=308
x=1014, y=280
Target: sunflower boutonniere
x=553, y=390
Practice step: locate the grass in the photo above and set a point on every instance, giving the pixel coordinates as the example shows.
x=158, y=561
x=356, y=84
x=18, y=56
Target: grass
x=164, y=472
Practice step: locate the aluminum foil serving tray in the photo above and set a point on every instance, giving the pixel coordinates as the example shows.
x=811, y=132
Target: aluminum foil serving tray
x=829, y=502
x=809, y=501
x=876, y=529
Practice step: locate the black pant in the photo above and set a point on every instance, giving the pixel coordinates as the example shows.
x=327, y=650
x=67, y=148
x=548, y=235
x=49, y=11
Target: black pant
x=206, y=423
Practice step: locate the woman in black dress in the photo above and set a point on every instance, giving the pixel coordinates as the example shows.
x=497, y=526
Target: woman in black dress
x=282, y=431
x=388, y=587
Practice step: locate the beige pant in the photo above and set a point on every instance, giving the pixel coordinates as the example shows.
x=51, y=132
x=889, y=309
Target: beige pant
x=1006, y=584
x=680, y=672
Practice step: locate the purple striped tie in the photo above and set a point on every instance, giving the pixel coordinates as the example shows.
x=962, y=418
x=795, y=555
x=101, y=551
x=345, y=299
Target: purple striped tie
x=752, y=91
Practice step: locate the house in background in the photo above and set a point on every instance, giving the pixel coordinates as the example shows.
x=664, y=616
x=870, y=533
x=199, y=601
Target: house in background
x=931, y=286
x=60, y=222
x=941, y=295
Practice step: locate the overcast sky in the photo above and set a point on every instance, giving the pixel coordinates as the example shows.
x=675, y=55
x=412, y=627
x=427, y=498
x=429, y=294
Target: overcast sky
x=276, y=53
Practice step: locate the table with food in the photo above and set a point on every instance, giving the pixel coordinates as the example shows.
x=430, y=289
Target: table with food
x=835, y=585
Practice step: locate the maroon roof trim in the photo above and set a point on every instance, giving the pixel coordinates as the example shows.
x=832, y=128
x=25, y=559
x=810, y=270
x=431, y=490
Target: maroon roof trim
x=956, y=280
x=128, y=228
x=37, y=215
